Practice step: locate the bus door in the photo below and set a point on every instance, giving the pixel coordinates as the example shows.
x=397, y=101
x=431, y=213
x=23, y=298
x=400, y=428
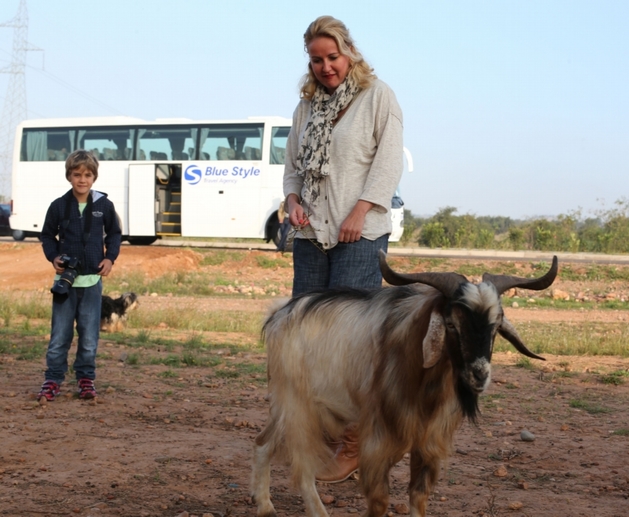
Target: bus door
x=141, y=200
x=154, y=201
x=168, y=199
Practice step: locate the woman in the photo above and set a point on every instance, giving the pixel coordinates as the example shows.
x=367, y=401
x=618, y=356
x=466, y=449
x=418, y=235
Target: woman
x=343, y=164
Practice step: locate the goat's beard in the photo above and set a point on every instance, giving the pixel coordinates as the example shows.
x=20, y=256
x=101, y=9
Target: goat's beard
x=468, y=399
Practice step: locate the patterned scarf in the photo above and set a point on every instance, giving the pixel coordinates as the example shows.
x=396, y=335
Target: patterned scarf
x=313, y=158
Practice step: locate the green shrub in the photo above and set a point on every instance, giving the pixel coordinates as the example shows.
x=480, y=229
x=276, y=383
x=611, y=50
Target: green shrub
x=516, y=238
x=433, y=235
x=607, y=232
x=485, y=239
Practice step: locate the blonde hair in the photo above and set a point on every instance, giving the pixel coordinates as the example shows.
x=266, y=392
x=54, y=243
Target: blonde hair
x=330, y=27
x=82, y=157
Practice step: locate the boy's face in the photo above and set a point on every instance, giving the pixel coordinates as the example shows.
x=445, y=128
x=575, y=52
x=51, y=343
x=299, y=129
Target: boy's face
x=82, y=180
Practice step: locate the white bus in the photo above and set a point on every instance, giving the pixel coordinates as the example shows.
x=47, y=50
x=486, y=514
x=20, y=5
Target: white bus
x=179, y=178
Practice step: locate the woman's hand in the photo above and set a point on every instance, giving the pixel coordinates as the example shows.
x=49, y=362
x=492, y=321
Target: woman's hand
x=296, y=214
x=352, y=228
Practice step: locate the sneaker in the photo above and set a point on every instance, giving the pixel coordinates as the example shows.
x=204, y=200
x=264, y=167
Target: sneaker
x=49, y=390
x=87, y=390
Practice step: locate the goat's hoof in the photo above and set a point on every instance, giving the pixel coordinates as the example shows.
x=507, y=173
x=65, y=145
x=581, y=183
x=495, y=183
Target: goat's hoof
x=264, y=510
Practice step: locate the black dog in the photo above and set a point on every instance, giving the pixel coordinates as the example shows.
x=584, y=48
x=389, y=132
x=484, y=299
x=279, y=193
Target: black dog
x=114, y=312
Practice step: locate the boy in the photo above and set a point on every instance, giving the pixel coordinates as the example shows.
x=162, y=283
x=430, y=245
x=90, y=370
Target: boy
x=75, y=228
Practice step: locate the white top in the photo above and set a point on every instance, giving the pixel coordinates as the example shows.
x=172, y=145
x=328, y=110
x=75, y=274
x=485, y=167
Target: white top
x=365, y=163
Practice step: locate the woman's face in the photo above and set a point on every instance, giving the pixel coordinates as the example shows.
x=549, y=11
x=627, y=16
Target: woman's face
x=329, y=66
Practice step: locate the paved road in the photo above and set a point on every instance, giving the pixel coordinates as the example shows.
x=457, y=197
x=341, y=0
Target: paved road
x=533, y=256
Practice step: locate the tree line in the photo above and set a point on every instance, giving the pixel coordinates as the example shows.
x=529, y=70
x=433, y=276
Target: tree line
x=605, y=232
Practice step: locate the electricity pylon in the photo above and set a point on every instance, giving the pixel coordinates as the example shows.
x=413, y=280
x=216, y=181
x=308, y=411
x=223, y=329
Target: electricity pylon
x=14, y=110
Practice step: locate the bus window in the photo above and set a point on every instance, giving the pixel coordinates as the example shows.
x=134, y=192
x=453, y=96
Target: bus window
x=279, y=137
x=43, y=145
x=107, y=143
x=165, y=143
x=231, y=142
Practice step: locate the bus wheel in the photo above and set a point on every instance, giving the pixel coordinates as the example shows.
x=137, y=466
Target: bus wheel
x=276, y=232
x=19, y=235
x=142, y=241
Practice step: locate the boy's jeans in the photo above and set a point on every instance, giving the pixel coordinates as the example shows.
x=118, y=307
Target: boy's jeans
x=352, y=264
x=83, y=305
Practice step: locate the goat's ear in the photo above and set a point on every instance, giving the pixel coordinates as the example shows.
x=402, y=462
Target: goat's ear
x=507, y=331
x=434, y=340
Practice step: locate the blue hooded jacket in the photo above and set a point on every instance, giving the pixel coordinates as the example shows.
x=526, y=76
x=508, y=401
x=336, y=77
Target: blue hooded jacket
x=104, y=238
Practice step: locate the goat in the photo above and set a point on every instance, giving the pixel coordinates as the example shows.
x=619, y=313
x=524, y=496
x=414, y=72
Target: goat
x=406, y=363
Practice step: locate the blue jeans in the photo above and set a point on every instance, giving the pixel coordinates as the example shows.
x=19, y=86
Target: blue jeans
x=83, y=306
x=353, y=264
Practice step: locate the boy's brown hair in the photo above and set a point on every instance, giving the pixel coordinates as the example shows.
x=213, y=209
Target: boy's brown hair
x=82, y=157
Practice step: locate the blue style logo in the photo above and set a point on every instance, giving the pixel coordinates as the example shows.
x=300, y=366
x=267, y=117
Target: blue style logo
x=192, y=175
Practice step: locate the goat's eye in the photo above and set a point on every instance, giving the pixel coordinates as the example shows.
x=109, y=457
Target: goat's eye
x=450, y=326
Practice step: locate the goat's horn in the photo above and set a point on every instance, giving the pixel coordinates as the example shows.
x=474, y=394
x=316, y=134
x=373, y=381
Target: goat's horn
x=507, y=331
x=504, y=282
x=447, y=283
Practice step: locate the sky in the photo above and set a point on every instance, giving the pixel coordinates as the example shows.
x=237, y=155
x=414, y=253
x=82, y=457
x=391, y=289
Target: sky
x=511, y=108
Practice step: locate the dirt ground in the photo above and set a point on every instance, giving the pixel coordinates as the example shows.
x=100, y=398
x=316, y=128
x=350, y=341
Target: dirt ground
x=152, y=445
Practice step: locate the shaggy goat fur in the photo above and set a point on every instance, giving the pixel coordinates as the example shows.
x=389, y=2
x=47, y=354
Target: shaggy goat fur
x=405, y=363
x=346, y=356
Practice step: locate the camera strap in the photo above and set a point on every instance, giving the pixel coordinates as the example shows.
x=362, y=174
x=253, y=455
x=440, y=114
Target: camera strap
x=87, y=221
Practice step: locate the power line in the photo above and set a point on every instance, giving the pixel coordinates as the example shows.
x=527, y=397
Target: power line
x=76, y=90
x=72, y=88
x=15, y=109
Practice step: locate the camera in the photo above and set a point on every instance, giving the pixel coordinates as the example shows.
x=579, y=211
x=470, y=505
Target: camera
x=71, y=271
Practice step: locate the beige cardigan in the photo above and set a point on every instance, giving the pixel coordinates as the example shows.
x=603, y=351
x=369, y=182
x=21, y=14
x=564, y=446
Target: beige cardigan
x=365, y=163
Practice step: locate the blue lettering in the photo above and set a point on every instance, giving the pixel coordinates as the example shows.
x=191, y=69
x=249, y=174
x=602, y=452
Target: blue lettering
x=215, y=171
x=245, y=173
